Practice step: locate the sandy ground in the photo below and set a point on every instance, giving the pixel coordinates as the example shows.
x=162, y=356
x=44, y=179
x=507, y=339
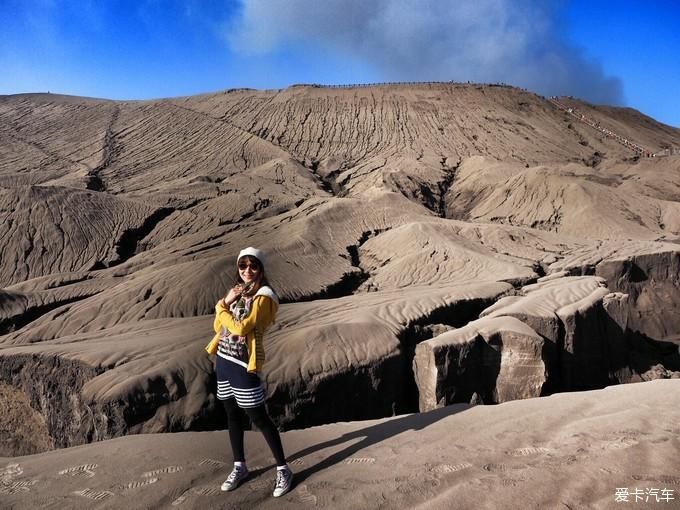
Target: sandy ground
x=571, y=451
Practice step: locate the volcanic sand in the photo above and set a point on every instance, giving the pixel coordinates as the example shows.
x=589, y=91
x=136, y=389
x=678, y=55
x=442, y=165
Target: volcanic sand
x=572, y=450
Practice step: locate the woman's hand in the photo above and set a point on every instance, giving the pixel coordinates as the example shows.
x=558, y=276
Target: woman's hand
x=233, y=295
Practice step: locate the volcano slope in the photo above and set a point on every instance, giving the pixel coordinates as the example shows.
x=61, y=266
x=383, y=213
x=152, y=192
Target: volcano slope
x=410, y=229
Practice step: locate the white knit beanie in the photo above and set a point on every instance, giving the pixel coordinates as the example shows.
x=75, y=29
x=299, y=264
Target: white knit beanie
x=253, y=252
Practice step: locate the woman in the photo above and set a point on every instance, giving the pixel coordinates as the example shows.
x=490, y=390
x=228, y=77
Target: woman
x=241, y=319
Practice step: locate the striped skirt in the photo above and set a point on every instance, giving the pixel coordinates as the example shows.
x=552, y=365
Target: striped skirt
x=234, y=381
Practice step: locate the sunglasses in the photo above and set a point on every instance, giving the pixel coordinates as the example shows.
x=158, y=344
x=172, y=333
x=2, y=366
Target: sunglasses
x=253, y=267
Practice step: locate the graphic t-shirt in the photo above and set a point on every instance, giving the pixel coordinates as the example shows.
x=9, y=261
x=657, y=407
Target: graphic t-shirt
x=234, y=347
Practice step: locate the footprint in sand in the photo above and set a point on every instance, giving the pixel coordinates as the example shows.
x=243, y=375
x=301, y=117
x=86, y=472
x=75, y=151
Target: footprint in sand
x=491, y=481
x=211, y=463
x=531, y=450
x=8, y=487
x=512, y=482
x=496, y=468
x=182, y=498
x=360, y=460
x=665, y=479
x=139, y=483
x=206, y=491
x=305, y=496
x=610, y=470
x=502, y=468
x=10, y=472
x=86, y=470
x=169, y=469
x=175, y=492
x=297, y=462
x=451, y=468
x=631, y=432
x=198, y=491
x=93, y=494
x=619, y=445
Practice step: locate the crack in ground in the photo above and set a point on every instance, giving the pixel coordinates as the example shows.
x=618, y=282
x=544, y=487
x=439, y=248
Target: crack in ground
x=349, y=282
x=126, y=247
x=94, y=180
x=445, y=184
x=328, y=182
x=16, y=322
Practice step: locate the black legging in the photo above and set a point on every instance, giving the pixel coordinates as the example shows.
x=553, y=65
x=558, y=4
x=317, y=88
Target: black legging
x=259, y=417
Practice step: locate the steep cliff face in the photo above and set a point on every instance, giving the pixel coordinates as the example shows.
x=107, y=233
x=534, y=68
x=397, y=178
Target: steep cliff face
x=647, y=272
x=391, y=214
x=79, y=403
x=23, y=430
x=53, y=386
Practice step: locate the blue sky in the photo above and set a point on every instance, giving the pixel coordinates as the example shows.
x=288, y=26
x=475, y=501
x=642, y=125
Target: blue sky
x=615, y=52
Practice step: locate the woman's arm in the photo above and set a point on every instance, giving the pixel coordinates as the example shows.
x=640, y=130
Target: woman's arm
x=261, y=314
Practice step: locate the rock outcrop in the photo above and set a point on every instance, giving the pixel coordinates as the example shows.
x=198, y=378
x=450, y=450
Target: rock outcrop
x=648, y=272
x=560, y=334
x=491, y=360
x=345, y=358
x=587, y=345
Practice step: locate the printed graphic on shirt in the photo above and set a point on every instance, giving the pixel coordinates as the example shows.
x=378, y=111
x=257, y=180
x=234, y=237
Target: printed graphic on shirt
x=235, y=346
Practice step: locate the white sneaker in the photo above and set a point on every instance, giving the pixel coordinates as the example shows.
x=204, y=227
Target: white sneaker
x=284, y=482
x=237, y=475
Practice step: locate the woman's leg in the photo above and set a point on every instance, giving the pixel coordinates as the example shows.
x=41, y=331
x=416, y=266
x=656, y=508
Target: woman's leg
x=259, y=417
x=234, y=416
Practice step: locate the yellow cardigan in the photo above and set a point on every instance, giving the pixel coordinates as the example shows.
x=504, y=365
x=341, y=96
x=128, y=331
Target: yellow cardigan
x=262, y=314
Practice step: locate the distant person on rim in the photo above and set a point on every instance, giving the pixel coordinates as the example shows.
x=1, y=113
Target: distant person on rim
x=241, y=319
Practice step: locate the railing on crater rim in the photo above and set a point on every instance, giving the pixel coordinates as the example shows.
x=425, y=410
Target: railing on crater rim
x=574, y=112
x=410, y=83
x=671, y=151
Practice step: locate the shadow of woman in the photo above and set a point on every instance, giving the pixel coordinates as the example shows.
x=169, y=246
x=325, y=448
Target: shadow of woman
x=371, y=435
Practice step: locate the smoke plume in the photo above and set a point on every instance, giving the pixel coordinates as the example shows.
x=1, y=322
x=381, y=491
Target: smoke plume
x=519, y=42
